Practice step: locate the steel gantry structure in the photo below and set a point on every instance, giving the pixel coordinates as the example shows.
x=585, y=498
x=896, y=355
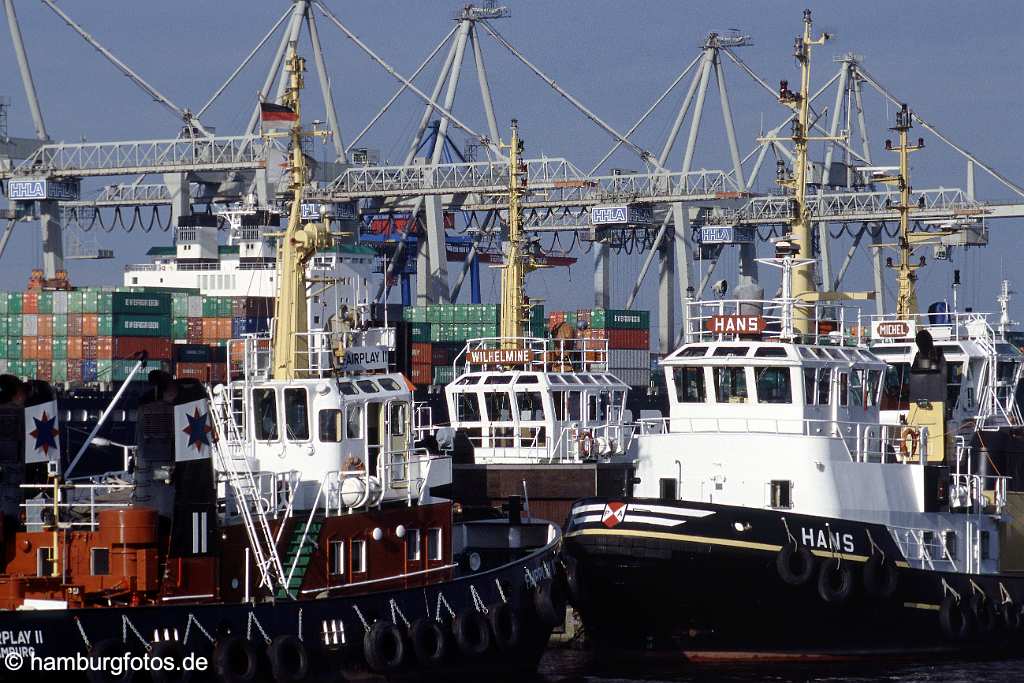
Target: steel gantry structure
x=197, y=167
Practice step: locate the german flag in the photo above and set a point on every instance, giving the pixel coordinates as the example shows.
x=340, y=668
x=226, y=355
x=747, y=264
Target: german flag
x=276, y=115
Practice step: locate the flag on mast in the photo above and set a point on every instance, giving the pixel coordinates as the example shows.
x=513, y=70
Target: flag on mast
x=276, y=115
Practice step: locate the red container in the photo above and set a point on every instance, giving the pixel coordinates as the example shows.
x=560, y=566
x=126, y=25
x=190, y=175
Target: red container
x=104, y=348
x=442, y=355
x=90, y=325
x=211, y=330
x=223, y=329
x=44, y=371
x=74, y=324
x=75, y=371
x=628, y=339
x=420, y=353
x=422, y=374
x=218, y=373
x=125, y=348
x=75, y=349
x=44, y=348
x=88, y=348
x=45, y=325
x=194, y=331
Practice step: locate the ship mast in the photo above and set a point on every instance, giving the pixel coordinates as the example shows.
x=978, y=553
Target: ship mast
x=514, y=306
x=295, y=246
x=906, y=272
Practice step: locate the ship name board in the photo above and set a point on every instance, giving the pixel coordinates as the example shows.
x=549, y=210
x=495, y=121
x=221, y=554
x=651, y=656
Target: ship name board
x=893, y=329
x=362, y=358
x=500, y=356
x=735, y=324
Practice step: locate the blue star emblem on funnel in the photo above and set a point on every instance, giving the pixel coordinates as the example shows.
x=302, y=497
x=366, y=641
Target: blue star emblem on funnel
x=198, y=431
x=45, y=433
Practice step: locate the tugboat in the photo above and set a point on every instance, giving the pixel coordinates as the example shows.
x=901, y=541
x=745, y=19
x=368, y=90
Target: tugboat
x=778, y=509
x=541, y=418
x=282, y=522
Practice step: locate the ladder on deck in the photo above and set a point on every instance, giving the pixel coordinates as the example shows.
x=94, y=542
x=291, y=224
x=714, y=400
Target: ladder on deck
x=233, y=462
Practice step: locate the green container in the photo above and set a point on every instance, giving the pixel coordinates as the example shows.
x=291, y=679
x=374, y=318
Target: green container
x=619, y=319
x=3, y=303
x=179, y=305
x=433, y=313
x=443, y=374
x=105, y=325
x=224, y=307
x=3, y=347
x=14, y=306
x=14, y=368
x=28, y=369
x=14, y=345
x=140, y=326
x=464, y=313
x=90, y=302
x=60, y=325
x=420, y=332
x=104, y=370
x=415, y=314
x=147, y=303
x=4, y=327
x=46, y=302
x=209, y=307
x=75, y=302
x=60, y=371
x=179, y=328
x=105, y=302
x=60, y=348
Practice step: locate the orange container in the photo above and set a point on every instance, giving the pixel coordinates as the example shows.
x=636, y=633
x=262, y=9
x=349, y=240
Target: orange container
x=104, y=348
x=45, y=323
x=74, y=348
x=29, y=348
x=30, y=302
x=223, y=328
x=44, y=348
x=90, y=325
x=211, y=328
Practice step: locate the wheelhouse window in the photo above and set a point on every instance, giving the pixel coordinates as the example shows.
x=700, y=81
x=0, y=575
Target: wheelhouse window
x=99, y=561
x=467, y=407
x=730, y=351
x=689, y=381
x=347, y=388
x=354, y=421
x=368, y=386
x=358, y=556
x=575, y=399
x=434, y=546
x=296, y=413
x=412, y=545
x=824, y=385
x=264, y=408
x=498, y=405
x=530, y=406
x=844, y=388
x=810, y=387
x=389, y=384
x=398, y=418
x=857, y=394
x=872, y=389
x=330, y=425
x=955, y=378
x=558, y=401
x=896, y=387
x=337, y=557
x=773, y=385
x=730, y=384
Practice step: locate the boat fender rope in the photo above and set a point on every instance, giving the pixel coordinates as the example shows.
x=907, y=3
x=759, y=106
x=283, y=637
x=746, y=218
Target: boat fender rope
x=1004, y=594
x=501, y=591
x=530, y=581
x=366, y=627
x=248, y=628
x=831, y=546
x=85, y=638
x=443, y=600
x=874, y=546
x=792, y=538
x=127, y=624
x=477, y=602
x=188, y=626
x=395, y=610
x=975, y=588
x=946, y=588
x=300, y=623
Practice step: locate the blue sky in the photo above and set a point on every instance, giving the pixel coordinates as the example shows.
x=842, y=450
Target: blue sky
x=954, y=62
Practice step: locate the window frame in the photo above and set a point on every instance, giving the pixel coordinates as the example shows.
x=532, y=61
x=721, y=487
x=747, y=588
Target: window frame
x=409, y=535
x=257, y=421
x=292, y=391
x=784, y=373
x=92, y=561
x=680, y=375
x=438, y=534
x=717, y=374
x=339, y=418
x=361, y=555
x=336, y=557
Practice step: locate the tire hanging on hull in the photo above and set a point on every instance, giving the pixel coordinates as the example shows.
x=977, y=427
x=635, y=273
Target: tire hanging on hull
x=795, y=564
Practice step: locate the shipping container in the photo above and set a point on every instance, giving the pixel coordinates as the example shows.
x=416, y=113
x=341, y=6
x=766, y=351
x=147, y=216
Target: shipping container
x=4, y=325
x=44, y=325
x=634, y=377
x=44, y=370
x=422, y=374
x=59, y=371
x=75, y=302
x=75, y=348
x=29, y=325
x=90, y=301
x=195, y=330
x=104, y=348
x=420, y=352
x=45, y=302
x=223, y=329
x=14, y=348
x=3, y=348
x=88, y=371
x=140, y=326
x=443, y=374
x=179, y=328
x=195, y=306
x=74, y=371
x=126, y=348
x=89, y=348
x=4, y=296
x=104, y=303
x=104, y=370
x=134, y=304
x=29, y=348
x=60, y=324
x=179, y=305
x=191, y=353
x=421, y=332
x=198, y=371
x=90, y=325
x=105, y=325
x=30, y=302
x=15, y=305
x=60, y=348
x=44, y=348
x=611, y=318
x=60, y=303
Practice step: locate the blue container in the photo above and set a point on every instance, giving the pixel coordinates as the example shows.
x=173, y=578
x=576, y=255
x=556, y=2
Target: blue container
x=237, y=327
x=88, y=371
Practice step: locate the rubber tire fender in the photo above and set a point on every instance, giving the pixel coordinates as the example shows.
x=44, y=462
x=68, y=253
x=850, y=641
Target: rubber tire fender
x=574, y=581
x=289, y=659
x=881, y=577
x=984, y=615
x=795, y=564
x=835, y=581
x=549, y=603
x=236, y=660
x=109, y=647
x=384, y=647
x=472, y=633
x=506, y=626
x=1010, y=612
x=176, y=651
x=957, y=623
x=431, y=642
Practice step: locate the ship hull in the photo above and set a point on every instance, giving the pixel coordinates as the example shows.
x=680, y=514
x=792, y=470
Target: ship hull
x=707, y=577
x=331, y=628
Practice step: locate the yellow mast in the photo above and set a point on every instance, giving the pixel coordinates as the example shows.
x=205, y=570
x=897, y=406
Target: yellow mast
x=295, y=246
x=514, y=306
x=906, y=272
